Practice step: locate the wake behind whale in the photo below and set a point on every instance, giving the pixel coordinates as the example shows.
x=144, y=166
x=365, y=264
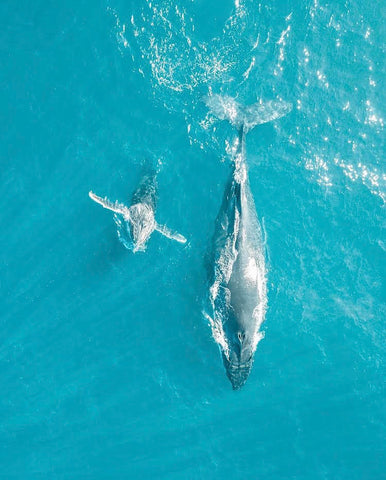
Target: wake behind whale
x=238, y=283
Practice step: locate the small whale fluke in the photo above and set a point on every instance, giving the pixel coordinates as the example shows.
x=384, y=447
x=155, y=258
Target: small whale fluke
x=227, y=108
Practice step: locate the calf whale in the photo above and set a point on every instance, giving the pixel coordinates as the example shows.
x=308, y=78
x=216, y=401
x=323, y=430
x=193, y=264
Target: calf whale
x=138, y=219
x=238, y=282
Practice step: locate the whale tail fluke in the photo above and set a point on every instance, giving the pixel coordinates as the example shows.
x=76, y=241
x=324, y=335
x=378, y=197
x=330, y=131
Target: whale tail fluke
x=227, y=108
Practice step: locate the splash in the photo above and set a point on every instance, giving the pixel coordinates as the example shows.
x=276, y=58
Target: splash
x=163, y=40
x=218, y=334
x=123, y=232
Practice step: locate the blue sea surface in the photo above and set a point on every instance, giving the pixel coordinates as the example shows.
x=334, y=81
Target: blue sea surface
x=108, y=367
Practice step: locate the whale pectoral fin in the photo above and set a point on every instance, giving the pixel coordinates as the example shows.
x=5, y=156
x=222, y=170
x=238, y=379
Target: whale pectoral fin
x=106, y=203
x=166, y=232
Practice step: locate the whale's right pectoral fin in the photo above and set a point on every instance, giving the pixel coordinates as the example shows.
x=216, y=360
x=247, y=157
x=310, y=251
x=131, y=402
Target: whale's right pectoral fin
x=105, y=202
x=166, y=232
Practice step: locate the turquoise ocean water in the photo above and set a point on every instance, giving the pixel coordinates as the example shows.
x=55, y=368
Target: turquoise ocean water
x=108, y=368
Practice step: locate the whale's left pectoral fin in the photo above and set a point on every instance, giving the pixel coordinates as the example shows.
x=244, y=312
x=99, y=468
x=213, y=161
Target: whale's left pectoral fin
x=166, y=232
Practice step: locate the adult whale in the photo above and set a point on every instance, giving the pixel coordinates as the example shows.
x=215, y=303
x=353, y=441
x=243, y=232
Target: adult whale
x=139, y=218
x=238, y=291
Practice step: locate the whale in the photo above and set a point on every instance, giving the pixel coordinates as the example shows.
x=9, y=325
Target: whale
x=137, y=221
x=238, y=274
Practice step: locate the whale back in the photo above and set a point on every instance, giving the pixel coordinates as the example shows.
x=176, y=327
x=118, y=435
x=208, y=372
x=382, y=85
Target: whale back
x=146, y=192
x=238, y=279
x=141, y=225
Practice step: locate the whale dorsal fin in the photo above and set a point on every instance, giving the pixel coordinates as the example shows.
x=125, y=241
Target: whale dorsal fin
x=166, y=232
x=106, y=203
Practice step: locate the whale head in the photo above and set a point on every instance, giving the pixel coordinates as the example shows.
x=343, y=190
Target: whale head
x=238, y=360
x=141, y=225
